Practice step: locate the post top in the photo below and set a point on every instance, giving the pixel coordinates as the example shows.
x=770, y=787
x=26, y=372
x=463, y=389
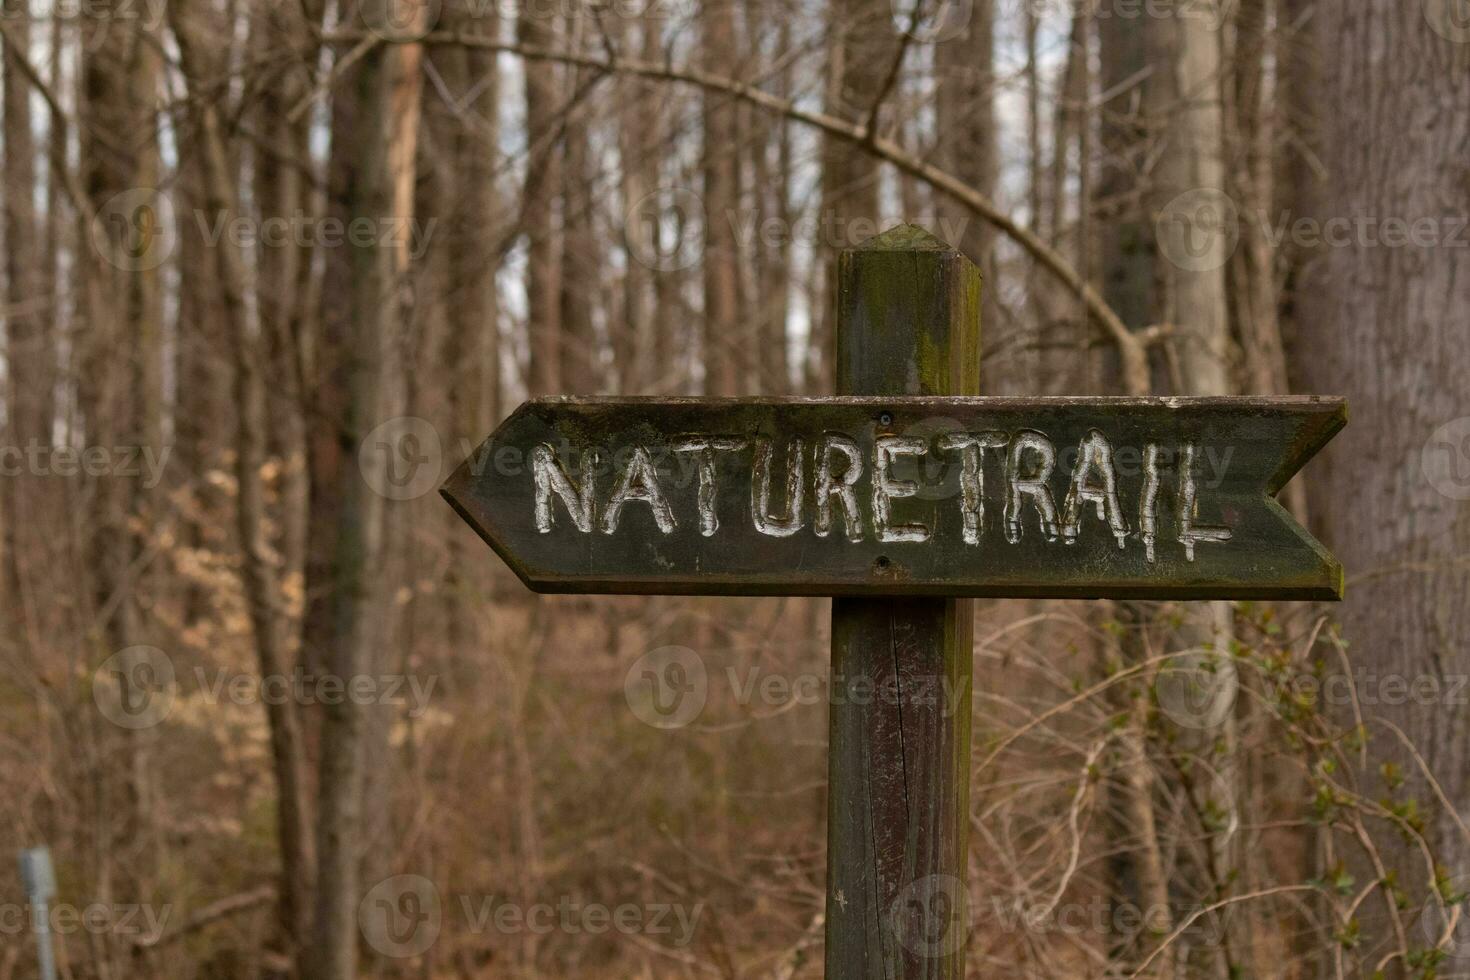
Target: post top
x=905, y=238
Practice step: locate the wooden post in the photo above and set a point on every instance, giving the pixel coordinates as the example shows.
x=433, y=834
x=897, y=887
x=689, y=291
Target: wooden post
x=908, y=358
x=908, y=323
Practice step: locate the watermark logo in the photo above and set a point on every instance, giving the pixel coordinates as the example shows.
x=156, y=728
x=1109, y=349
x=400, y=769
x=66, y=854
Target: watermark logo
x=1214, y=14
x=400, y=917
x=1449, y=18
x=135, y=230
x=828, y=229
x=402, y=459
x=142, y=463
x=568, y=914
x=936, y=474
x=931, y=916
x=1363, y=231
x=664, y=230
x=667, y=688
x=134, y=688
x=930, y=22
x=397, y=21
x=402, y=233
x=1446, y=459
x=1438, y=916
x=1198, y=231
x=148, y=15
x=509, y=10
x=1197, y=690
x=1099, y=917
x=1371, y=689
x=142, y=924
x=404, y=916
x=667, y=229
x=138, y=687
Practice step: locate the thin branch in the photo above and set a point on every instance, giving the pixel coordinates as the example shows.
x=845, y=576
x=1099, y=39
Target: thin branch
x=1194, y=917
x=366, y=43
x=1074, y=814
x=1439, y=792
x=210, y=914
x=69, y=182
x=891, y=79
x=1125, y=674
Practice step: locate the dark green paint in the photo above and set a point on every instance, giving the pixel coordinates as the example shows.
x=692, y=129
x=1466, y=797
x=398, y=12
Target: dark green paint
x=1267, y=440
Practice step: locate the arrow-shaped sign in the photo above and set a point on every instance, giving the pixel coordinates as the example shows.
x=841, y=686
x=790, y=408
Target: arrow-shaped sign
x=1038, y=497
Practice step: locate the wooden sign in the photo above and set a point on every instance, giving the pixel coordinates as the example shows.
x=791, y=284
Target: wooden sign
x=959, y=496
x=900, y=498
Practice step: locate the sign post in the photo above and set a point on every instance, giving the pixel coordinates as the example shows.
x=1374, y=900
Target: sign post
x=898, y=786
x=903, y=497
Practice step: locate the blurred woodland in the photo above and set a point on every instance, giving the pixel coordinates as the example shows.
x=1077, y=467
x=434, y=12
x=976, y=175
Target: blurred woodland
x=273, y=267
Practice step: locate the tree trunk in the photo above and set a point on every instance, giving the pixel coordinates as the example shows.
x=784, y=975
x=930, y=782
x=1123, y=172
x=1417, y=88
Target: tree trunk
x=771, y=173
x=388, y=96
x=283, y=177
x=723, y=340
x=966, y=134
x=1187, y=194
x=638, y=139
x=125, y=243
x=1384, y=321
x=543, y=182
x=1194, y=225
x=859, y=54
x=191, y=24
x=27, y=346
x=471, y=350
x=581, y=356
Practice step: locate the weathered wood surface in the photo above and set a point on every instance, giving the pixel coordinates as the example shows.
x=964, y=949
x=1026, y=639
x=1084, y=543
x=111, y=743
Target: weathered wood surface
x=898, y=799
x=900, y=499
x=991, y=532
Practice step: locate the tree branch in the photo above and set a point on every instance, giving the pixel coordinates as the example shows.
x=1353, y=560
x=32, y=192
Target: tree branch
x=1133, y=350
x=69, y=182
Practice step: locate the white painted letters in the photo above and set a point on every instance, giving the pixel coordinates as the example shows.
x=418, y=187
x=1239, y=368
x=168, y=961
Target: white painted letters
x=853, y=482
x=839, y=488
x=1148, y=501
x=706, y=447
x=972, y=476
x=1190, y=533
x=551, y=478
x=1037, y=486
x=886, y=489
x=760, y=490
x=1094, y=457
x=639, y=482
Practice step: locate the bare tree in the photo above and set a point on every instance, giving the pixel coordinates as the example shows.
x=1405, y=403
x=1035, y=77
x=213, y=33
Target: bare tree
x=724, y=337
x=192, y=21
x=27, y=342
x=543, y=182
x=1382, y=319
x=862, y=59
x=385, y=147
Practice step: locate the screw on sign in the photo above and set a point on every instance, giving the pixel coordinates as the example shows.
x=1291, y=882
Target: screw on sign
x=902, y=497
